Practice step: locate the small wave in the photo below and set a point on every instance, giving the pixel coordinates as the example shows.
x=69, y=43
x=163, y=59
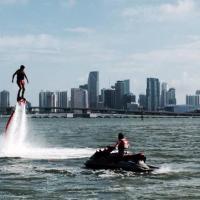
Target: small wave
x=108, y=174
x=56, y=171
x=166, y=169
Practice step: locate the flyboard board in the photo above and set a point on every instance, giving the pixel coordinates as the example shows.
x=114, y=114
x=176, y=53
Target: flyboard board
x=21, y=102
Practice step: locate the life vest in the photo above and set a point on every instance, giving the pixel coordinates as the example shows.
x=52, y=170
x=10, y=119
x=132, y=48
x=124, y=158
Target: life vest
x=123, y=144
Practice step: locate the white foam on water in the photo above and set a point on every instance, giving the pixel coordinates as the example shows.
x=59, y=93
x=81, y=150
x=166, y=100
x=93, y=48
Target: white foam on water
x=163, y=170
x=13, y=143
x=167, y=169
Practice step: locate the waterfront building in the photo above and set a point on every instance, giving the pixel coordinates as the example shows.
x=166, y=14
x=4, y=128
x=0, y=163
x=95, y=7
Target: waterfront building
x=142, y=101
x=132, y=106
x=120, y=91
x=163, y=99
x=102, y=96
x=79, y=98
x=4, y=100
x=180, y=108
x=128, y=99
x=109, y=98
x=47, y=99
x=153, y=94
x=122, y=88
x=93, y=89
x=192, y=100
x=171, y=96
x=126, y=86
x=61, y=99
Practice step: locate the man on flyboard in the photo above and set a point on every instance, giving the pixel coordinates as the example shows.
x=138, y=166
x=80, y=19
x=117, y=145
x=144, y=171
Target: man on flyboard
x=20, y=82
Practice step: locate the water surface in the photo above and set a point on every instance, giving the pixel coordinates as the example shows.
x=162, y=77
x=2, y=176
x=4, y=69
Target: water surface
x=52, y=166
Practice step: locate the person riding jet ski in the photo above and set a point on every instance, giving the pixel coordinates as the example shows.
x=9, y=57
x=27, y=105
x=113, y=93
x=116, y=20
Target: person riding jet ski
x=122, y=145
x=107, y=159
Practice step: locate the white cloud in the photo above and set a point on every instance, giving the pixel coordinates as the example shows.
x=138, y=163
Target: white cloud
x=80, y=30
x=166, y=11
x=179, y=8
x=177, y=65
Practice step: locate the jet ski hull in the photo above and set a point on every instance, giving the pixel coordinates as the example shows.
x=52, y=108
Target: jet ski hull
x=130, y=162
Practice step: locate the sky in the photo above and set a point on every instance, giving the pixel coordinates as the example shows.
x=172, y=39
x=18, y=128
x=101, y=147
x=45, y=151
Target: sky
x=61, y=41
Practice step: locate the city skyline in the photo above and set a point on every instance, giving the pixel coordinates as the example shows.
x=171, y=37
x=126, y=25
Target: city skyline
x=124, y=87
x=121, y=39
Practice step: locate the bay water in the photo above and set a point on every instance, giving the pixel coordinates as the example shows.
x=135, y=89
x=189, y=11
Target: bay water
x=50, y=163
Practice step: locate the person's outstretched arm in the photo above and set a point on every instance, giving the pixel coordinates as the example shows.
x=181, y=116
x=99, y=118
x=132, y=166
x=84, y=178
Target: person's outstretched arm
x=26, y=78
x=14, y=76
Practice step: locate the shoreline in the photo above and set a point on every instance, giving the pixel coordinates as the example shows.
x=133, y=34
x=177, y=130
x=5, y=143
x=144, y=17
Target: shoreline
x=107, y=116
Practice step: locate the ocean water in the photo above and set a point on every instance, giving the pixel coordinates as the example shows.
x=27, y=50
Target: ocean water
x=50, y=162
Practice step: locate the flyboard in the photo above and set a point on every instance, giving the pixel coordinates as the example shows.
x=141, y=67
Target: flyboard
x=21, y=102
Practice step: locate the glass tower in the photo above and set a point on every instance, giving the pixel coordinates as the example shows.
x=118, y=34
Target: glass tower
x=93, y=89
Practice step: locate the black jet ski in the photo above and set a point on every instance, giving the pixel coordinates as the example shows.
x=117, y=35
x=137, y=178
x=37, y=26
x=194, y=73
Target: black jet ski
x=105, y=159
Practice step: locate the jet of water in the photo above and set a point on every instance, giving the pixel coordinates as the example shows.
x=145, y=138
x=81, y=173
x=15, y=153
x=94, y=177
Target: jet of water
x=15, y=141
x=15, y=134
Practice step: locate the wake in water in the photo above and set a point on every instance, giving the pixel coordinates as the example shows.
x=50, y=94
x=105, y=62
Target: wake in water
x=14, y=142
x=169, y=169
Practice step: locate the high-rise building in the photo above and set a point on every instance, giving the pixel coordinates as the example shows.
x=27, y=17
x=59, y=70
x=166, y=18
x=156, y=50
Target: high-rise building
x=127, y=86
x=128, y=99
x=192, y=100
x=122, y=91
x=93, y=89
x=163, y=100
x=142, y=101
x=4, y=100
x=109, y=98
x=153, y=94
x=61, y=99
x=79, y=98
x=47, y=99
x=171, y=96
x=50, y=99
x=53, y=99
x=119, y=88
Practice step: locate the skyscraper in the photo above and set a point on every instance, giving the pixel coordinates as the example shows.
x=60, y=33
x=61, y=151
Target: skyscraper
x=61, y=99
x=93, y=89
x=122, y=90
x=109, y=98
x=79, y=98
x=119, y=88
x=163, y=101
x=4, y=99
x=127, y=86
x=142, y=101
x=128, y=99
x=47, y=99
x=192, y=100
x=153, y=94
x=171, y=96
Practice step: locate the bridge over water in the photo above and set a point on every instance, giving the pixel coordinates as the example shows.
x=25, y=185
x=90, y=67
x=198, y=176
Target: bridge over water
x=36, y=109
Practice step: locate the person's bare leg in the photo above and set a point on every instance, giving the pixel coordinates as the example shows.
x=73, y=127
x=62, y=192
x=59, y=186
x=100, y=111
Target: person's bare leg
x=19, y=91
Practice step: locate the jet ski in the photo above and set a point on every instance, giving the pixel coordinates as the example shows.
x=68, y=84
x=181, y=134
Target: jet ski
x=105, y=159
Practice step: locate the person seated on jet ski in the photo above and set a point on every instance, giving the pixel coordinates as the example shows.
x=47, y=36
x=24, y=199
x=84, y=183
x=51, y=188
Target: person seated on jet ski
x=122, y=145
